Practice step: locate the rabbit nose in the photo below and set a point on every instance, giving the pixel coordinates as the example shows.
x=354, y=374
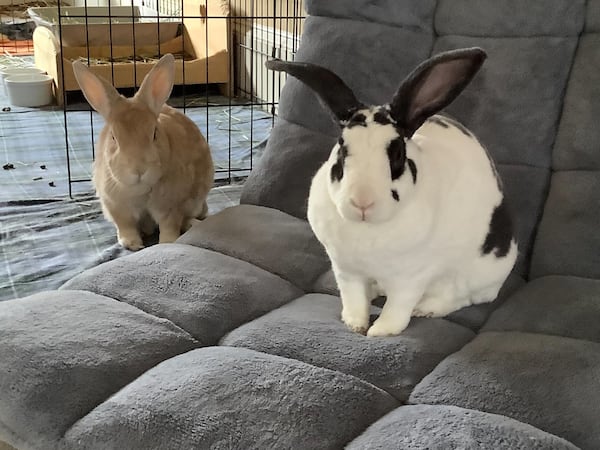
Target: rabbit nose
x=363, y=205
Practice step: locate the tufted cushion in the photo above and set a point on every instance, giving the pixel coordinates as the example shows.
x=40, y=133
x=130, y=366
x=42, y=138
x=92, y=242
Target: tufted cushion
x=63, y=353
x=231, y=338
x=444, y=427
x=232, y=398
x=309, y=329
x=549, y=382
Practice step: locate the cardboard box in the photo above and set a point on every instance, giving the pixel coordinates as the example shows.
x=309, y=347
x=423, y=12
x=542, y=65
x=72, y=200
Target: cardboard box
x=202, y=50
x=100, y=25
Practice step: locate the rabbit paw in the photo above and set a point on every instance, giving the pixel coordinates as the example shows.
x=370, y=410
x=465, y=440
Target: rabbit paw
x=131, y=242
x=356, y=323
x=387, y=327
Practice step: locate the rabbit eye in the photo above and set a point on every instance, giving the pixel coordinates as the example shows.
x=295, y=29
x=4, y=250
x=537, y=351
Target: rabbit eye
x=396, y=153
x=155, y=134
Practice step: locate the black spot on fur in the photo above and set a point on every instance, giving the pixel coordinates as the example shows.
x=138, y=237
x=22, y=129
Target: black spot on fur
x=500, y=233
x=358, y=119
x=395, y=195
x=397, y=155
x=413, y=170
x=438, y=121
x=382, y=117
x=337, y=170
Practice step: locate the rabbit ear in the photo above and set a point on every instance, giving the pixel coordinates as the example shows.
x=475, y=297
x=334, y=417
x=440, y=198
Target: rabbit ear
x=327, y=85
x=99, y=93
x=433, y=85
x=158, y=83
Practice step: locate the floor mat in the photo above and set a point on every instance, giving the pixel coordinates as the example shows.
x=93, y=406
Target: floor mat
x=34, y=142
x=45, y=243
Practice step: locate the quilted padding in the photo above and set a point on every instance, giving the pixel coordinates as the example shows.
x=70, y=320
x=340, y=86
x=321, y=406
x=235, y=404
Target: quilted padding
x=556, y=305
x=231, y=338
x=309, y=329
x=265, y=237
x=549, y=382
x=226, y=398
x=63, y=353
x=185, y=285
x=568, y=242
x=578, y=138
x=448, y=427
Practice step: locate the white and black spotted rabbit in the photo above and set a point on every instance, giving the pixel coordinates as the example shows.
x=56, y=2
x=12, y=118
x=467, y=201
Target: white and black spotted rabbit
x=408, y=200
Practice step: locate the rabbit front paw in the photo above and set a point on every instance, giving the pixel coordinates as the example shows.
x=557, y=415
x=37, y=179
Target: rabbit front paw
x=386, y=327
x=356, y=322
x=131, y=241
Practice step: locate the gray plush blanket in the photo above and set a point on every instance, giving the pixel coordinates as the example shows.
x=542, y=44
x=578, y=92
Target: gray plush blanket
x=231, y=338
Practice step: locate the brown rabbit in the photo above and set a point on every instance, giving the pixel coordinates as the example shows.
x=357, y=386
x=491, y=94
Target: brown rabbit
x=153, y=165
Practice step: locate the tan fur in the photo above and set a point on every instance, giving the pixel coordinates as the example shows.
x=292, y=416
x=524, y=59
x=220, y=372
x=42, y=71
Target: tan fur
x=153, y=165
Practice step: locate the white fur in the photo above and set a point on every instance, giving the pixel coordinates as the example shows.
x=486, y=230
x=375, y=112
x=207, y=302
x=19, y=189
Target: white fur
x=424, y=251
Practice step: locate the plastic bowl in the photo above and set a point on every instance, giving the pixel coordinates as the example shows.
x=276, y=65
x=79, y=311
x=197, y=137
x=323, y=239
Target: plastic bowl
x=8, y=71
x=29, y=90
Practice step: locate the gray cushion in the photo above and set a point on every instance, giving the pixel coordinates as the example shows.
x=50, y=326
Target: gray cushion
x=547, y=381
x=297, y=154
x=592, y=20
x=448, y=427
x=487, y=18
x=310, y=329
x=226, y=398
x=522, y=82
x=568, y=242
x=525, y=188
x=186, y=284
x=265, y=237
x=384, y=69
x=407, y=14
x=63, y=353
x=91, y=366
x=563, y=306
x=578, y=135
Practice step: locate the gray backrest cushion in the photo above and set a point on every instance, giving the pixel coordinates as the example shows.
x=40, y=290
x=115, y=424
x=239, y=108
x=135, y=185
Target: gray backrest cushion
x=536, y=55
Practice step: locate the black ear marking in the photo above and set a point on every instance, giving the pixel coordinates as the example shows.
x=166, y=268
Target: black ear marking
x=395, y=195
x=433, y=85
x=357, y=119
x=396, y=152
x=330, y=88
x=500, y=233
x=413, y=170
x=337, y=170
x=382, y=117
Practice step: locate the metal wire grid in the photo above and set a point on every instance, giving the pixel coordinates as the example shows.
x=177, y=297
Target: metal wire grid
x=15, y=29
x=280, y=23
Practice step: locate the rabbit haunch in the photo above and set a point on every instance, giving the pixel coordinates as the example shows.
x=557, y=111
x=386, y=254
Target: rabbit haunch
x=153, y=166
x=408, y=201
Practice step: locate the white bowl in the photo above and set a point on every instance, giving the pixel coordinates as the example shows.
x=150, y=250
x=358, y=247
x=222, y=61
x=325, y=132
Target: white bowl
x=8, y=71
x=29, y=90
